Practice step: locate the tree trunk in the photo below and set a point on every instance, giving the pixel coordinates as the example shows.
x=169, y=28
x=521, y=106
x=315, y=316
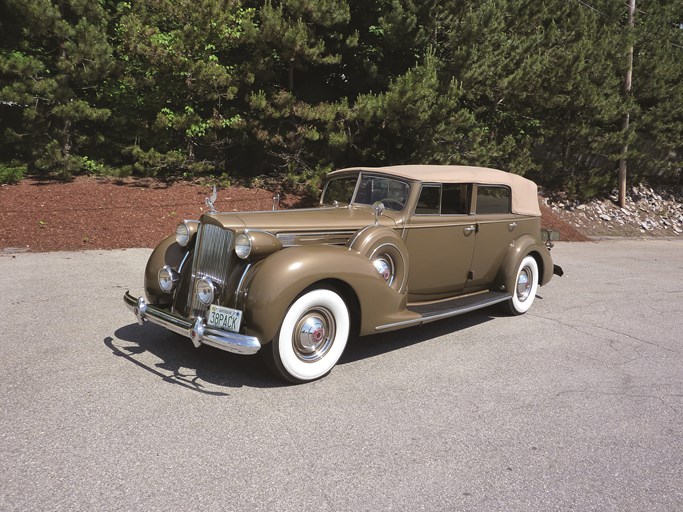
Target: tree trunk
x=627, y=94
x=291, y=75
x=66, y=139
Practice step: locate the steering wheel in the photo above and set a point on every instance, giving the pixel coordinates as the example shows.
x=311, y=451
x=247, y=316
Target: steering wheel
x=392, y=204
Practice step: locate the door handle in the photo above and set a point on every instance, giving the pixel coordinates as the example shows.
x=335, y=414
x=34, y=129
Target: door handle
x=512, y=226
x=470, y=229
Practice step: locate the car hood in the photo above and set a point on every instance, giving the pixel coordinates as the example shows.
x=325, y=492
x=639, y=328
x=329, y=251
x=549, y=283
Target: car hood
x=303, y=220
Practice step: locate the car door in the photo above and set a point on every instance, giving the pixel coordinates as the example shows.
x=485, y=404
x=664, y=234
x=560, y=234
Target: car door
x=440, y=240
x=495, y=230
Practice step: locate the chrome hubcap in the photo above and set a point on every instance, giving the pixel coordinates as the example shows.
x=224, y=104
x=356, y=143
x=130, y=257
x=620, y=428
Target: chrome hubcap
x=524, y=284
x=314, y=334
x=385, y=267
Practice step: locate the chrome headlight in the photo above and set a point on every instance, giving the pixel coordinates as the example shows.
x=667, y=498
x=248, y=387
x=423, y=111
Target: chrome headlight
x=168, y=278
x=243, y=245
x=182, y=234
x=206, y=291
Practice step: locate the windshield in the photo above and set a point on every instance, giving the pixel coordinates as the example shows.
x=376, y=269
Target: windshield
x=340, y=190
x=393, y=193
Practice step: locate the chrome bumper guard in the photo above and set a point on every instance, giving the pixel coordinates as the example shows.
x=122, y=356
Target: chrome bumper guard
x=198, y=332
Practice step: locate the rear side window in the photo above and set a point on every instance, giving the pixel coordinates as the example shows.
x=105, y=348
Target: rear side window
x=493, y=199
x=455, y=199
x=446, y=199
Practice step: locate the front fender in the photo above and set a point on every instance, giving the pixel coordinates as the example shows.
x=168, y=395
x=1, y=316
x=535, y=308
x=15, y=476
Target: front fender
x=524, y=245
x=274, y=283
x=168, y=252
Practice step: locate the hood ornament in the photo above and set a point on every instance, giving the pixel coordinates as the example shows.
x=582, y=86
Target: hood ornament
x=210, y=200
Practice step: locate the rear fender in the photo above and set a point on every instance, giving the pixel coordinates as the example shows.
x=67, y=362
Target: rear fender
x=524, y=245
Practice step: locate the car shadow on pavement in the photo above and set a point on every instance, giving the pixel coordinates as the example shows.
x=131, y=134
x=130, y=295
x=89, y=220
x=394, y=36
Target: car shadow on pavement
x=378, y=344
x=175, y=360
x=206, y=370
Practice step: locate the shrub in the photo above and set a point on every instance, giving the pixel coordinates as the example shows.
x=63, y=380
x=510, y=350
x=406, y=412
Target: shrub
x=11, y=175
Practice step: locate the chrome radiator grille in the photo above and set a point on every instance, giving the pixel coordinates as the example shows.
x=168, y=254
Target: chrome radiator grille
x=213, y=252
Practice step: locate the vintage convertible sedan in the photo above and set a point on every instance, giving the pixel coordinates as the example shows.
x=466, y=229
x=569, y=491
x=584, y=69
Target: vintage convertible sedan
x=387, y=248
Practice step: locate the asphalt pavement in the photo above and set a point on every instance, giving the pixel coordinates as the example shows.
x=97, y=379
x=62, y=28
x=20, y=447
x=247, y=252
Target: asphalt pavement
x=577, y=405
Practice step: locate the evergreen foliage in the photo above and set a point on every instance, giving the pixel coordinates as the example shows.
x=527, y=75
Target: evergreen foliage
x=246, y=87
x=658, y=89
x=181, y=68
x=53, y=59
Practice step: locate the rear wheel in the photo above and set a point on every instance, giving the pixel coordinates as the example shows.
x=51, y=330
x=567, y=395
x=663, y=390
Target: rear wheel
x=526, y=285
x=312, y=337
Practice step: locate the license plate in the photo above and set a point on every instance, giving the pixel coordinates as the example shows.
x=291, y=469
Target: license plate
x=224, y=318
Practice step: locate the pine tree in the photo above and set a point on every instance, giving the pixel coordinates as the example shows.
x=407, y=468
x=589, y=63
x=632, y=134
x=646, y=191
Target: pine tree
x=54, y=54
x=541, y=80
x=182, y=67
x=296, y=112
x=657, y=148
x=253, y=86
x=417, y=120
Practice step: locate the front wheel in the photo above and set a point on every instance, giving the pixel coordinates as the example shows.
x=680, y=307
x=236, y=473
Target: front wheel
x=312, y=337
x=526, y=285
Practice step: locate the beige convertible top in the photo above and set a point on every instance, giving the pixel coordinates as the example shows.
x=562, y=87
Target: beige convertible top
x=524, y=191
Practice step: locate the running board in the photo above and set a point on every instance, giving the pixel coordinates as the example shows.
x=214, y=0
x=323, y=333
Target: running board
x=446, y=309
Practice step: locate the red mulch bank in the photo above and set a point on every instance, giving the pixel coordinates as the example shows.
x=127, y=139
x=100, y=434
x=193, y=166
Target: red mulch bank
x=92, y=213
x=568, y=233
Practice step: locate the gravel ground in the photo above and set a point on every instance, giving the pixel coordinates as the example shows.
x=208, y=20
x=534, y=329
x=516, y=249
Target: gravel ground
x=647, y=213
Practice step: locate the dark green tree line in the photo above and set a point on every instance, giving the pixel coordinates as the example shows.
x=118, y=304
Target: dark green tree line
x=55, y=58
x=246, y=87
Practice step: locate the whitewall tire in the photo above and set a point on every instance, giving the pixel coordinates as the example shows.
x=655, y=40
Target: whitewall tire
x=312, y=336
x=525, y=286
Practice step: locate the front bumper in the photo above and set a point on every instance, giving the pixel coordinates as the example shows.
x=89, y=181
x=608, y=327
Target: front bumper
x=196, y=331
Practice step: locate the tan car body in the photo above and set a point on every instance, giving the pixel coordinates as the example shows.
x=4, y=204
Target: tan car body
x=437, y=260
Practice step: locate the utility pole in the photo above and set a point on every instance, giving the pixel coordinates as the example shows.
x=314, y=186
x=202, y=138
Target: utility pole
x=627, y=94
